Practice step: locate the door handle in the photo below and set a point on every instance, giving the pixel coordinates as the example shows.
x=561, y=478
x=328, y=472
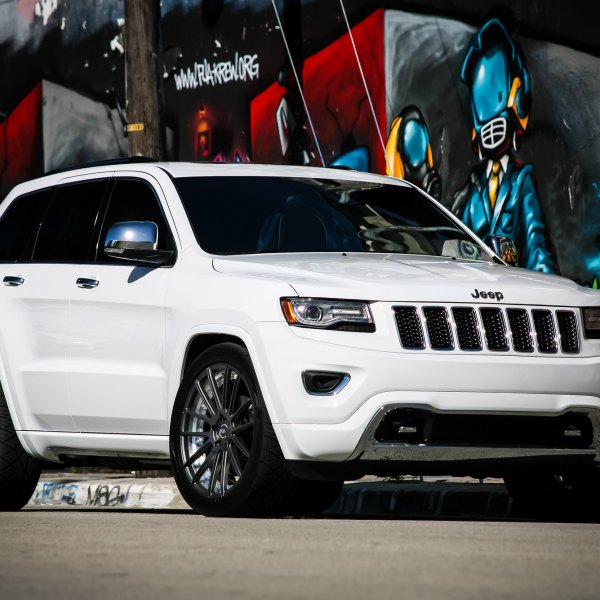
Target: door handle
x=13, y=281
x=84, y=282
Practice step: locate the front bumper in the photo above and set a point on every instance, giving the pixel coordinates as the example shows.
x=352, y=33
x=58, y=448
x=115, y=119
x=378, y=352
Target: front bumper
x=333, y=427
x=376, y=457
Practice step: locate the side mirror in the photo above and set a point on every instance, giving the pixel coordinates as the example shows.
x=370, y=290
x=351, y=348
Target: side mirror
x=135, y=241
x=504, y=247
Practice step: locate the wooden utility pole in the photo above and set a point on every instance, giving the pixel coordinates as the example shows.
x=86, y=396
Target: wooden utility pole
x=144, y=114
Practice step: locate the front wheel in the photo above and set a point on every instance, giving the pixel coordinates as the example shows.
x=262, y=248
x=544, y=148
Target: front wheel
x=226, y=458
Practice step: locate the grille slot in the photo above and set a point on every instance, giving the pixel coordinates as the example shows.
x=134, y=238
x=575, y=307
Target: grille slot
x=545, y=331
x=438, y=328
x=520, y=327
x=495, y=329
x=409, y=327
x=569, y=334
x=467, y=328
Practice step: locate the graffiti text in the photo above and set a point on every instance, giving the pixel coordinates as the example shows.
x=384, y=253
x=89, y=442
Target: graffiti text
x=242, y=68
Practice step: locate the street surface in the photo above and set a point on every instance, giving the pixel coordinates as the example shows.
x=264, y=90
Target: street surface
x=100, y=554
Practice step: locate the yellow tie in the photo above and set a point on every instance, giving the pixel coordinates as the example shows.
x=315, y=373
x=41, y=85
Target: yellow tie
x=494, y=183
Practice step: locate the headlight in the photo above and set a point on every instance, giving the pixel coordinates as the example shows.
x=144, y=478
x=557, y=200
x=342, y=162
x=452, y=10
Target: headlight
x=591, y=318
x=347, y=315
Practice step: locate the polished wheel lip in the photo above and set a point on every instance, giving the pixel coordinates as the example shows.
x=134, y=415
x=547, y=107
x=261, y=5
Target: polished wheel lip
x=216, y=430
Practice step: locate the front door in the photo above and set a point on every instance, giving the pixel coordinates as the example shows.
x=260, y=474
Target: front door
x=118, y=381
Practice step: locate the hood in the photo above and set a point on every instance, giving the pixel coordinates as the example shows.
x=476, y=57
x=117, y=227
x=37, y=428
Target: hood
x=408, y=278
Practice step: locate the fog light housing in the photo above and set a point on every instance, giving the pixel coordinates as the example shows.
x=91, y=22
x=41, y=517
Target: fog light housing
x=324, y=383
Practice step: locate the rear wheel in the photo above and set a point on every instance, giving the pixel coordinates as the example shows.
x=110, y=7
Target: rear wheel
x=226, y=458
x=557, y=497
x=19, y=472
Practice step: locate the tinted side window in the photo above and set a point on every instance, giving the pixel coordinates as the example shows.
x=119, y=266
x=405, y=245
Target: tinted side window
x=19, y=225
x=68, y=232
x=134, y=200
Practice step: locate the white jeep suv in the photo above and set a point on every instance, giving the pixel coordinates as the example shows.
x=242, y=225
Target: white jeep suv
x=271, y=331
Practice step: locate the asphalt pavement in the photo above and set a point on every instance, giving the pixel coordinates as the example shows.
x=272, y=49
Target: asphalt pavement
x=170, y=554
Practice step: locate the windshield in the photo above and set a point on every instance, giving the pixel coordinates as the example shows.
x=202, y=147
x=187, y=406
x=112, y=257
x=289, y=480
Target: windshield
x=252, y=215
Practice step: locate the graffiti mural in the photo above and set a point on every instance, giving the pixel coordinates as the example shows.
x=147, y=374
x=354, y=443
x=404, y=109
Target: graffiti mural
x=62, y=87
x=500, y=196
x=493, y=112
x=408, y=152
x=504, y=117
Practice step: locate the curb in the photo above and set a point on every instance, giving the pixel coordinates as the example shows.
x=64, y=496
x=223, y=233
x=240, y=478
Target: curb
x=432, y=499
x=117, y=492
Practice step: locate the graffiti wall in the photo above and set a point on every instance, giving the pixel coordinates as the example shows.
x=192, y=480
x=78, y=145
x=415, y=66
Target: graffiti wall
x=61, y=70
x=514, y=143
x=491, y=107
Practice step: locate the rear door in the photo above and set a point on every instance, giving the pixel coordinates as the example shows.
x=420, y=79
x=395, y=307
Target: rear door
x=42, y=235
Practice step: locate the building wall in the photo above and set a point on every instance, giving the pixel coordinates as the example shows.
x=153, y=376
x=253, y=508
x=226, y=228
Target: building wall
x=230, y=94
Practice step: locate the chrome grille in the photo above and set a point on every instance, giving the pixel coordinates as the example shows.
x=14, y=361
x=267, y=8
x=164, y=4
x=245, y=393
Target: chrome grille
x=468, y=328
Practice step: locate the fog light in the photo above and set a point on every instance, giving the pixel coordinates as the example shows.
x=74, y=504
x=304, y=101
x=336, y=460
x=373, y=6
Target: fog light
x=324, y=383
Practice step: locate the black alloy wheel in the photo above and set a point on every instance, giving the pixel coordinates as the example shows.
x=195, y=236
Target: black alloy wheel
x=225, y=455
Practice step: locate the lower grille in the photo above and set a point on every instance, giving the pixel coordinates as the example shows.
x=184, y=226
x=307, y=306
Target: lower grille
x=413, y=426
x=545, y=331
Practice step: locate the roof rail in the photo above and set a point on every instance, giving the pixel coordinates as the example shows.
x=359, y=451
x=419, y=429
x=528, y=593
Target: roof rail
x=125, y=160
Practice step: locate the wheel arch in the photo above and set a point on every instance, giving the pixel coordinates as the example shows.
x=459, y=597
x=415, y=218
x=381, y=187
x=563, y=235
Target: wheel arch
x=203, y=341
x=204, y=337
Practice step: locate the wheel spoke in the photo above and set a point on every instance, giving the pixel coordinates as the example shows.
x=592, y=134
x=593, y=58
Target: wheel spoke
x=224, y=471
x=213, y=472
x=242, y=427
x=210, y=459
x=203, y=434
x=234, y=460
x=241, y=446
x=205, y=398
x=202, y=416
x=234, y=392
x=213, y=385
x=242, y=409
x=194, y=457
x=225, y=388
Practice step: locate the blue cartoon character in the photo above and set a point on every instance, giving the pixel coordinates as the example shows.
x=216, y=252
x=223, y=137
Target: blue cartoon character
x=408, y=152
x=500, y=197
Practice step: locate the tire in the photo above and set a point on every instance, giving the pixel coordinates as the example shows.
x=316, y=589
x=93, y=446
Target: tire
x=556, y=497
x=225, y=455
x=19, y=472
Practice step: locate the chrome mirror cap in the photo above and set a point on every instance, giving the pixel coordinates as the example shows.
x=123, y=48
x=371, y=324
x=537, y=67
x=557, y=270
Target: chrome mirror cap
x=131, y=235
x=504, y=247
